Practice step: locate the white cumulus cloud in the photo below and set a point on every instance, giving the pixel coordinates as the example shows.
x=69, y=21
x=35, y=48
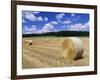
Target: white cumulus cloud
x=60, y=16
x=32, y=17
x=60, y=19
x=72, y=14
x=47, y=28
x=80, y=27
x=54, y=22
x=29, y=16
x=39, y=18
x=31, y=29
x=46, y=19
x=36, y=12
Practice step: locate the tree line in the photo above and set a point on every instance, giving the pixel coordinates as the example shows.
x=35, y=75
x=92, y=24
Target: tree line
x=59, y=33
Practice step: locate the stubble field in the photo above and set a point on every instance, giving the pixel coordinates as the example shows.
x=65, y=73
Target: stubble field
x=42, y=55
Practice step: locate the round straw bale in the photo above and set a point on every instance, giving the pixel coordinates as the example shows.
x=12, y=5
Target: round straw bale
x=29, y=42
x=72, y=48
x=26, y=41
x=47, y=40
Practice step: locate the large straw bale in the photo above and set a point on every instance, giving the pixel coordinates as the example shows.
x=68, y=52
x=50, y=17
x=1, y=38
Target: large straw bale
x=72, y=48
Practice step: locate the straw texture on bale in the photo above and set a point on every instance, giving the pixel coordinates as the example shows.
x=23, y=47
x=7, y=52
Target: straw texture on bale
x=72, y=48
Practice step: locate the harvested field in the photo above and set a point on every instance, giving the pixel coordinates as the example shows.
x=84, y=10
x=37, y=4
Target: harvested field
x=46, y=52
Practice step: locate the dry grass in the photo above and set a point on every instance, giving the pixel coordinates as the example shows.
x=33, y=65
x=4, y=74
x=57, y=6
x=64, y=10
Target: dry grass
x=47, y=53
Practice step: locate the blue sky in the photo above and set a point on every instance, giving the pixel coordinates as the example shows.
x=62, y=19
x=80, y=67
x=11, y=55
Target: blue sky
x=41, y=22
